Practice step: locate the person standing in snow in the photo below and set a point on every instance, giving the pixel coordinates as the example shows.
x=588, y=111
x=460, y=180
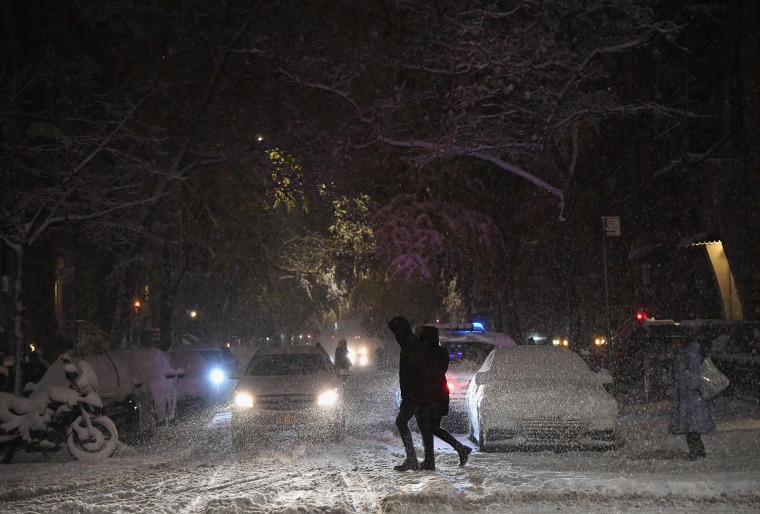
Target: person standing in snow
x=341, y=355
x=690, y=413
x=415, y=382
x=440, y=396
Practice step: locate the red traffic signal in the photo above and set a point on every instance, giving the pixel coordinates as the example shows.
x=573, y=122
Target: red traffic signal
x=641, y=317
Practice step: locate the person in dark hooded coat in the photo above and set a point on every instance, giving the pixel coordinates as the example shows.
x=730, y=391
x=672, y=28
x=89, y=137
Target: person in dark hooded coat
x=341, y=355
x=440, y=400
x=415, y=377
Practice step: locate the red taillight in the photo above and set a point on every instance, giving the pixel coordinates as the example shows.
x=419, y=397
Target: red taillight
x=449, y=387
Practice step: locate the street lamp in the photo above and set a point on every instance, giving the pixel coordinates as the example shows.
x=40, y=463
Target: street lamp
x=193, y=314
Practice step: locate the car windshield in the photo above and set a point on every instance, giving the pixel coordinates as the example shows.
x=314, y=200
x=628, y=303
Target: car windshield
x=469, y=354
x=215, y=356
x=288, y=364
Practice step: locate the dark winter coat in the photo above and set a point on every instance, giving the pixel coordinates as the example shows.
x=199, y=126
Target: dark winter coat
x=690, y=412
x=440, y=363
x=415, y=370
x=441, y=385
x=341, y=357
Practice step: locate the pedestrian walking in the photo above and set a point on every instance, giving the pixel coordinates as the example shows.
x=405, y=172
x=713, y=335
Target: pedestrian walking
x=440, y=397
x=341, y=355
x=690, y=413
x=415, y=378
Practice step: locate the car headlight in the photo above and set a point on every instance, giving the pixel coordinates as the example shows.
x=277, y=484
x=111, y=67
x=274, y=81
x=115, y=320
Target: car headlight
x=328, y=398
x=363, y=360
x=217, y=376
x=244, y=400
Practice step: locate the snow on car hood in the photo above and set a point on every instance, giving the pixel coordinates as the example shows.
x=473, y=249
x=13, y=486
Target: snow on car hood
x=569, y=400
x=288, y=384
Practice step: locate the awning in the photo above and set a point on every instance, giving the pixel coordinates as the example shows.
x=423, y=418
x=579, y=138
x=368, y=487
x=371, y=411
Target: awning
x=703, y=238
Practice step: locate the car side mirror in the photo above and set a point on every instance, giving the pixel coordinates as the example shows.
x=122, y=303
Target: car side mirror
x=481, y=377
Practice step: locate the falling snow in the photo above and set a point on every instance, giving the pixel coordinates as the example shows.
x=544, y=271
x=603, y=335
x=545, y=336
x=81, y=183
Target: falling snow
x=192, y=466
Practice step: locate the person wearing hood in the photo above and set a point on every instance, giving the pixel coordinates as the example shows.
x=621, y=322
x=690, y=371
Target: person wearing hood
x=440, y=402
x=690, y=414
x=341, y=355
x=415, y=382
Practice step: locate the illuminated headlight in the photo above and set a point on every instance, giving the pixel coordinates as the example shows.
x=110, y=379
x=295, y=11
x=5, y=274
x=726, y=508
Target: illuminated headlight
x=217, y=376
x=244, y=400
x=363, y=360
x=328, y=398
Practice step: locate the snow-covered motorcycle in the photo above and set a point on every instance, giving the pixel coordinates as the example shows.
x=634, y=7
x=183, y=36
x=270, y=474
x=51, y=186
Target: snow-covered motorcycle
x=55, y=415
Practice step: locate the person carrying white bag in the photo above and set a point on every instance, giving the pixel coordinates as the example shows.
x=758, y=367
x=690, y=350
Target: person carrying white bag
x=690, y=414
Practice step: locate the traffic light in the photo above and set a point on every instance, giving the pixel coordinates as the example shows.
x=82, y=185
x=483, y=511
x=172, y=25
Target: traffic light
x=641, y=317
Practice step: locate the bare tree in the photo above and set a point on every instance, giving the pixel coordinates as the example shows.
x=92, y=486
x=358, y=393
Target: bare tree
x=81, y=156
x=509, y=83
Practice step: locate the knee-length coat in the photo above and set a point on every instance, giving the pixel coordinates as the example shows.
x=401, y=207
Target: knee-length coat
x=690, y=412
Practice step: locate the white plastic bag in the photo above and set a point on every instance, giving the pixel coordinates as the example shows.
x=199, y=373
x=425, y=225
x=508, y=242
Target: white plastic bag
x=711, y=380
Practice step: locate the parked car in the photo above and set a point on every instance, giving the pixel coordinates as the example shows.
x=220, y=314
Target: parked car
x=153, y=371
x=208, y=375
x=540, y=396
x=289, y=387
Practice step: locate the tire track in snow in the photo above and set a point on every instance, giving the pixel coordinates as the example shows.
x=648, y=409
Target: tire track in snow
x=361, y=495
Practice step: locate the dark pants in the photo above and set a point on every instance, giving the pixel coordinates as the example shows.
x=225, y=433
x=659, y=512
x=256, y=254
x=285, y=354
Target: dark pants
x=406, y=411
x=696, y=446
x=443, y=434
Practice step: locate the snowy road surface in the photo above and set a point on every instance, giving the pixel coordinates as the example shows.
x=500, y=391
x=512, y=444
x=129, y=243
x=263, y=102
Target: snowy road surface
x=193, y=467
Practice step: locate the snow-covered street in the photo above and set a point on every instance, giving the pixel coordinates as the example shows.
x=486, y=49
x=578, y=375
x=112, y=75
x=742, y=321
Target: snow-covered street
x=193, y=467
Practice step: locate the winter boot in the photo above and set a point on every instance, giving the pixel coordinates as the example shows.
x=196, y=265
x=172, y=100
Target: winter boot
x=408, y=465
x=428, y=465
x=464, y=454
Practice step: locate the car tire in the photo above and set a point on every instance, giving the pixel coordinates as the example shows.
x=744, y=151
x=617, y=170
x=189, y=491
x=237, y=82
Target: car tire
x=338, y=431
x=481, y=436
x=146, y=419
x=238, y=436
x=6, y=453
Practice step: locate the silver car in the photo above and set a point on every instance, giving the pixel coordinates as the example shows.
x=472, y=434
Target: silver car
x=537, y=396
x=289, y=387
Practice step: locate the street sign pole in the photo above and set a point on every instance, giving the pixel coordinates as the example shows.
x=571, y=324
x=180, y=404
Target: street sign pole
x=610, y=228
x=606, y=287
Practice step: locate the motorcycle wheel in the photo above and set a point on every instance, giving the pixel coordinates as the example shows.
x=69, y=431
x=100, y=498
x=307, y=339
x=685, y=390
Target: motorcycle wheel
x=98, y=447
x=6, y=454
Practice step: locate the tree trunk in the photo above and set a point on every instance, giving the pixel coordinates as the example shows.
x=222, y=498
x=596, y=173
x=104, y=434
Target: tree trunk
x=18, y=316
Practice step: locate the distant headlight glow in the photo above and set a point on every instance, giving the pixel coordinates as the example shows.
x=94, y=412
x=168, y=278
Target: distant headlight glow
x=244, y=400
x=363, y=360
x=328, y=398
x=217, y=376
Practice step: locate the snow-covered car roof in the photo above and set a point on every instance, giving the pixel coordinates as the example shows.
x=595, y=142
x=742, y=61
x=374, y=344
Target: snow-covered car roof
x=537, y=363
